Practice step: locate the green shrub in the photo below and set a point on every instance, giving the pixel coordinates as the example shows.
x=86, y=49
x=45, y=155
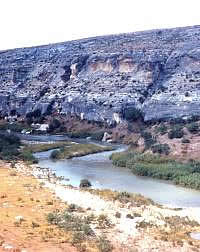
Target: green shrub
x=15, y=127
x=191, y=180
x=28, y=156
x=132, y=114
x=69, y=222
x=49, y=109
x=85, y=183
x=176, y=132
x=9, y=139
x=9, y=147
x=87, y=230
x=104, y=244
x=97, y=135
x=78, y=238
x=123, y=197
x=120, y=159
x=155, y=166
x=77, y=150
x=193, y=127
x=168, y=171
x=79, y=134
x=9, y=153
x=149, y=140
x=194, y=167
x=177, y=121
x=162, y=129
x=36, y=113
x=54, y=218
x=4, y=126
x=55, y=154
x=161, y=148
x=185, y=140
x=193, y=118
x=54, y=124
x=35, y=224
x=103, y=221
x=72, y=208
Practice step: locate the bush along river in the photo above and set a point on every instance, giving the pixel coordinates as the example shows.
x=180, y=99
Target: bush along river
x=98, y=169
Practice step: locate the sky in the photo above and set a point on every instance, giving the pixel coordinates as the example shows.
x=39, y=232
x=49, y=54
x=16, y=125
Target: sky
x=25, y=23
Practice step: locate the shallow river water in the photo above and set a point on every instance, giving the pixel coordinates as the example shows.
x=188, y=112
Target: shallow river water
x=102, y=174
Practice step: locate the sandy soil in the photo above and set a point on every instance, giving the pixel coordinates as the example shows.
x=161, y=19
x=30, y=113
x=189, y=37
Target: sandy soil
x=25, y=202
x=23, y=207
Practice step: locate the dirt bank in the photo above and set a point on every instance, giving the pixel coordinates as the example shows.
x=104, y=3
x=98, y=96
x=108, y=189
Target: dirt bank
x=132, y=223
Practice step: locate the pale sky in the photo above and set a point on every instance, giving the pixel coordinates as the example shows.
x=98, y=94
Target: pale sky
x=36, y=22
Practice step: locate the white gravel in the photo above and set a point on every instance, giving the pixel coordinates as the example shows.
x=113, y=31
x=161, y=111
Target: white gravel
x=124, y=228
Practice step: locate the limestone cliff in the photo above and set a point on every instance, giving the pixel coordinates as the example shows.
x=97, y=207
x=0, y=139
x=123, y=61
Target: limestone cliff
x=157, y=72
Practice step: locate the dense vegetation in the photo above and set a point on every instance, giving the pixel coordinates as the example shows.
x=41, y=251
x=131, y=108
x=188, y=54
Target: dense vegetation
x=176, y=132
x=161, y=129
x=161, y=148
x=132, y=114
x=10, y=149
x=77, y=150
x=149, y=140
x=193, y=127
x=96, y=135
x=15, y=127
x=185, y=174
x=46, y=146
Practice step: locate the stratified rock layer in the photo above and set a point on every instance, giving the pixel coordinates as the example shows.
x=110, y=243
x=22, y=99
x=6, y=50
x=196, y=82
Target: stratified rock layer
x=157, y=72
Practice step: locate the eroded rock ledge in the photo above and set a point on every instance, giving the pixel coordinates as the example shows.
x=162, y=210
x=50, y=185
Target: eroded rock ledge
x=98, y=78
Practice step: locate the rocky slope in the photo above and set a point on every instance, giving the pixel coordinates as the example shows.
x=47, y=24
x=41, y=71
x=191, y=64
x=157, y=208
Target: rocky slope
x=157, y=72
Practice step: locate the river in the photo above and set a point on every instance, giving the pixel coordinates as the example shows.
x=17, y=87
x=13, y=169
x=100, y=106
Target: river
x=103, y=175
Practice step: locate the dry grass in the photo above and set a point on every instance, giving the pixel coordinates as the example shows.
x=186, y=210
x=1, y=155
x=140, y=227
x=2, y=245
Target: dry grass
x=29, y=203
x=24, y=196
x=123, y=197
x=77, y=150
x=79, y=225
x=46, y=146
x=176, y=230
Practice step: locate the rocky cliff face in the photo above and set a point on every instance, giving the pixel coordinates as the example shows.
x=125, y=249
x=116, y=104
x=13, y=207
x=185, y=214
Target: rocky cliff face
x=157, y=72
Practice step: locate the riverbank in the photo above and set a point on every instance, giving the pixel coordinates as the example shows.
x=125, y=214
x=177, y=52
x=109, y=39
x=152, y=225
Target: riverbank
x=185, y=174
x=126, y=221
x=39, y=147
x=78, y=150
x=63, y=149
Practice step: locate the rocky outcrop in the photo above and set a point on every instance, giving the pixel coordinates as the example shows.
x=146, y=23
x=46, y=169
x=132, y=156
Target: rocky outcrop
x=156, y=72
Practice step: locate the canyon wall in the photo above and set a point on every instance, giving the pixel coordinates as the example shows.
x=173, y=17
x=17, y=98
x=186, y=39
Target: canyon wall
x=156, y=72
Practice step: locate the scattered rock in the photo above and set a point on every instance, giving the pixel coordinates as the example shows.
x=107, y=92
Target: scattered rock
x=9, y=247
x=49, y=203
x=19, y=219
x=106, y=137
x=129, y=216
x=118, y=215
x=35, y=224
x=85, y=183
x=3, y=196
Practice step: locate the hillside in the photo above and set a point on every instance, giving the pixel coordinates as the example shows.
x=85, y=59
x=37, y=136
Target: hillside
x=100, y=78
